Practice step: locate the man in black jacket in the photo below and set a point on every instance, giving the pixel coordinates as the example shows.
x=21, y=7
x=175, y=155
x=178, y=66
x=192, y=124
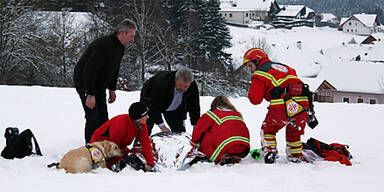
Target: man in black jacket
x=171, y=94
x=97, y=70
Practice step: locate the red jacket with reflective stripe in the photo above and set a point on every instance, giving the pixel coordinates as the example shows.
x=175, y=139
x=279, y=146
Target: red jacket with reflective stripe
x=268, y=76
x=215, y=134
x=122, y=131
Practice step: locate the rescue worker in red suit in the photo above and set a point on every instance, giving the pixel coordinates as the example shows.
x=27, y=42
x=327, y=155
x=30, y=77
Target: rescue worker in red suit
x=123, y=129
x=270, y=80
x=221, y=133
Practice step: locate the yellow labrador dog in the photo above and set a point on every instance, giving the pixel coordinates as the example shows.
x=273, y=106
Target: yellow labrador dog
x=86, y=158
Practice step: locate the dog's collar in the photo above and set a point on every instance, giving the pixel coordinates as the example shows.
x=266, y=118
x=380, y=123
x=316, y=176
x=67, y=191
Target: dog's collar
x=97, y=155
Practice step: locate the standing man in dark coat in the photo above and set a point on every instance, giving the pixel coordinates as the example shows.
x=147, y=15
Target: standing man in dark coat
x=171, y=94
x=97, y=70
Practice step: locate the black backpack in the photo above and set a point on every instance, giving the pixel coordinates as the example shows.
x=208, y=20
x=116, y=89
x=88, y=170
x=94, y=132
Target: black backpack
x=19, y=145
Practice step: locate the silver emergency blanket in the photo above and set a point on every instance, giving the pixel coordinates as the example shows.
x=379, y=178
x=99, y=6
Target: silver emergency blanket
x=172, y=150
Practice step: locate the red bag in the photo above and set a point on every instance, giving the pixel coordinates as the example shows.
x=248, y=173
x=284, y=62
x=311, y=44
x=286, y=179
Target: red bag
x=331, y=152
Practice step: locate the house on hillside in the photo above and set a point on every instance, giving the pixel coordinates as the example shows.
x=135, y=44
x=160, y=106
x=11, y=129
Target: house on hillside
x=294, y=16
x=361, y=24
x=244, y=11
x=328, y=93
x=373, y=37
x=327, y=19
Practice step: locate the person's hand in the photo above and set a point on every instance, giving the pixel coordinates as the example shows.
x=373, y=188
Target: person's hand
x=112, y=96
x=165, y=129
x=90, y=102
x=148, y=168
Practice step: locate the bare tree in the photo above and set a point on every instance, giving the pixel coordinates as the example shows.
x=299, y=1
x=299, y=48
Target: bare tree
x=65, y=39
x=17, y=22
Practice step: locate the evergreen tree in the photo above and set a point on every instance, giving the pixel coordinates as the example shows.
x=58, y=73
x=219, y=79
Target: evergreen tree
x=213, y=36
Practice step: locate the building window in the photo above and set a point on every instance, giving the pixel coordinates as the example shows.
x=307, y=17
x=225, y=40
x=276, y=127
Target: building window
x=360, y=100
x=225, y=14
x=345, y=100
x=347, y=30
x=350, y=23
x=372, y=101
x=230, y=15
x=246, y=14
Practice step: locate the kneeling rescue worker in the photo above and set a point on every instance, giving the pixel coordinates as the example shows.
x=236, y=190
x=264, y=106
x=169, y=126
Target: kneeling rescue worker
x=290, y=104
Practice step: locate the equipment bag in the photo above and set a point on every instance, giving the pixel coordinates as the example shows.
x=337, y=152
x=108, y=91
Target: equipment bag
x=19, y=145
x=330, y=152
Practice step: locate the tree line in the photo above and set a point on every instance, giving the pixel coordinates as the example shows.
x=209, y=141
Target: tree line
x=41, y=47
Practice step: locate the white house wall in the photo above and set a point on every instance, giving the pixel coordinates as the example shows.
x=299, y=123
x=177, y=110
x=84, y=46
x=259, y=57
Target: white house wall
x=356, y=27
x=338, y=97
x=236, y=16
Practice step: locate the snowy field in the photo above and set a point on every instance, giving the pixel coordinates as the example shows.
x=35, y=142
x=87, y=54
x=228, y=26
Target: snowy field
x=56, y=118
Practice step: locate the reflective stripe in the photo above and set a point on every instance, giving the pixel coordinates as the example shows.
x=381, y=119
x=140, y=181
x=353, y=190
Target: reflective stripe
x=221, y=121
x=281, y=101
x=271, y=143
x=294, y=144
x=295, y=150
x=274, y=82
x=226, y=142
x=269, y=136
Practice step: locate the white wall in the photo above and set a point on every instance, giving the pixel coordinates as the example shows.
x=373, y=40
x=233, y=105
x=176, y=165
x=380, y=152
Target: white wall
x=356, y=27
x=236, y=16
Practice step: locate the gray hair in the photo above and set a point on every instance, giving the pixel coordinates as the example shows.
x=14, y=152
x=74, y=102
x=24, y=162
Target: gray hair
x=184, y=74
x=125, y=26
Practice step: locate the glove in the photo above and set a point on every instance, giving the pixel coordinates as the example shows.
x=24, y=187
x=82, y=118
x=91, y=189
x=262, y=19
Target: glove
x=255, y=153
x=148, y=168
x=117, y=167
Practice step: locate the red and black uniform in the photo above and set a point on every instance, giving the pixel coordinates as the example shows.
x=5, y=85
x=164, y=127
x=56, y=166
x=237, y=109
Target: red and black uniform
x=220, y=132
x=122, y=131
x=268, y=76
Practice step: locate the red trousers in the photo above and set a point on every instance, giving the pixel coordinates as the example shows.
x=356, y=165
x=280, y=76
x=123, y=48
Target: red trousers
x=277, y=118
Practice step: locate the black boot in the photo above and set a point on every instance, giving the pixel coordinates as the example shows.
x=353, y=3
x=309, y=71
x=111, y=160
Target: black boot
x=270, y=158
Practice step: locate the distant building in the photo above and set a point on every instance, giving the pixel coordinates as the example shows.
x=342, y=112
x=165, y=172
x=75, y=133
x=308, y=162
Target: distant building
x=373, y=37
x=244, y=11
x=327, y=19
x=294, y=16
x=328, y=93
x=361, y=24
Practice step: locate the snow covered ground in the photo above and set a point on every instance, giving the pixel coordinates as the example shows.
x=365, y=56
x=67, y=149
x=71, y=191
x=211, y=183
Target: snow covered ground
x=56, y=118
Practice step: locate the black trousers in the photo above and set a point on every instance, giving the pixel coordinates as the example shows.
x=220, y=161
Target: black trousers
x=175, y=120
x=95, y=117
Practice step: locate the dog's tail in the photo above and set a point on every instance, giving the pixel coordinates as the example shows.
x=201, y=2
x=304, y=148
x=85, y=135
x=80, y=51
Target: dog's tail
x=54, y=165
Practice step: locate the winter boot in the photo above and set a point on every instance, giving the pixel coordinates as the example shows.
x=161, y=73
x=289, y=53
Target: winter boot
x=269, y=154
x=295, y=152
x=268, y=147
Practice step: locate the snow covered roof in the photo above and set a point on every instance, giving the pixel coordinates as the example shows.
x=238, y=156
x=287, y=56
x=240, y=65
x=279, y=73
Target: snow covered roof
x=290, y=10
x=368, y=20
x=343, y=20
x=314, y=83
x=235, y=9
x=327, y=17
x=259, y=5
x=78, y=20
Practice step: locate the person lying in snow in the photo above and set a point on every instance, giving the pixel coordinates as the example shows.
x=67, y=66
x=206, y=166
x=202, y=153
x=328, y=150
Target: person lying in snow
x=221, y=133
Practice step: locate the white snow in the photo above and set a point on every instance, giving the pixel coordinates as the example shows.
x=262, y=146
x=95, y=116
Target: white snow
x=55, y=116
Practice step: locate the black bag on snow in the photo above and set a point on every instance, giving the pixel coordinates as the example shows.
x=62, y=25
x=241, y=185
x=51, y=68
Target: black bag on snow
x=19, y=145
